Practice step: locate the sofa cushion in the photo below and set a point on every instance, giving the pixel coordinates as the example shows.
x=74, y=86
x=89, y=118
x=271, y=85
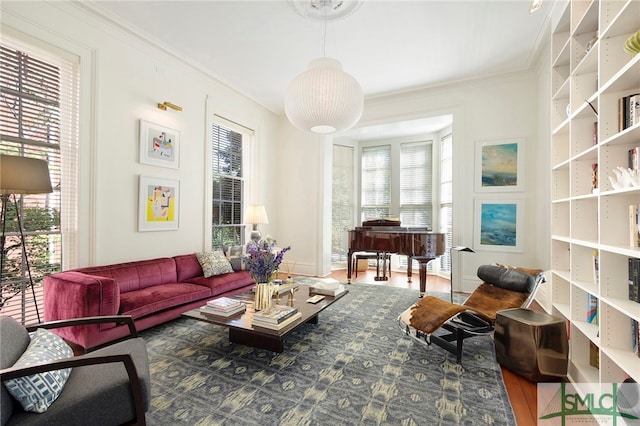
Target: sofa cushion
x=214, y=263
x=223, y=283
x=137, y=275
x=14, y=341
x=38, y=391
x=149, y=300
x=187, y=266
x=236, y=255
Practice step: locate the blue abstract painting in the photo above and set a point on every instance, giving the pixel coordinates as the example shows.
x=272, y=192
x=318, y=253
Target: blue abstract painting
x=498, y=224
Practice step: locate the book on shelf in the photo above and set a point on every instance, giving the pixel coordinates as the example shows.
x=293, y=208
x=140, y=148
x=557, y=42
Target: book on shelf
x=628, y=111
x=634, y=158
x=635, y=337
x=634, y=226
x=328, y=287
x=634, y=279
x=596, y=267
x=211, y=312
x=592, y=309
x=594, y=355
x=274, y=314
x=224, y=304
x=594, y=178
x=276, y=326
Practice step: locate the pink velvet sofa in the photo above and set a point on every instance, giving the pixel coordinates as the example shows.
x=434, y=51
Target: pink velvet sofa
x=151, y=291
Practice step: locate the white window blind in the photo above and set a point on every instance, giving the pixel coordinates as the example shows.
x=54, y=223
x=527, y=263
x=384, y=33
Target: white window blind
x=446, y=198
x=416, y=184
x=376, y=182
x=342, y=203
x=39, y=119
x=227, y=187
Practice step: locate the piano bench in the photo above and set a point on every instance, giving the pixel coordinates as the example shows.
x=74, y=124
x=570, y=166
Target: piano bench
x=372, y=256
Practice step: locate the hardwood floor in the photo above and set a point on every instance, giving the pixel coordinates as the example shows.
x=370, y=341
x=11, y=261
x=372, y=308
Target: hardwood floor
x=522, y=392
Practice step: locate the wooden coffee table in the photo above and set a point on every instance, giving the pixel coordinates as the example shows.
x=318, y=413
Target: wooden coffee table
x=240, y=325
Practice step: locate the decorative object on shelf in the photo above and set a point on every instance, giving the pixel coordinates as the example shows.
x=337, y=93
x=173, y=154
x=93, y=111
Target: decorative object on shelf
x=594, y=178
x=324, y=99
x=256, y=215
x=624, y=178
x=159, y=204
x=500, y=165
x=159, y=145
x=632, y=44
x=20, y=175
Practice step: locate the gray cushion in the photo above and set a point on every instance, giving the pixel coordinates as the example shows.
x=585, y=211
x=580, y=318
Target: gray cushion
x=509, y=279
x=236, y=255
x=96, y=395
x=15, y=339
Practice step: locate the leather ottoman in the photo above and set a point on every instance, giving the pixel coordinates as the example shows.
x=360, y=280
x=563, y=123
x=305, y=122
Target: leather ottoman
x=532, y=344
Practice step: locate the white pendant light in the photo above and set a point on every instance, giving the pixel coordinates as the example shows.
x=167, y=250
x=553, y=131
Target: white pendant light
x=324, y=99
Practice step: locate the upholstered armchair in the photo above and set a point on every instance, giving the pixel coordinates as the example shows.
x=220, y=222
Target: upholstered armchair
x=43, y=383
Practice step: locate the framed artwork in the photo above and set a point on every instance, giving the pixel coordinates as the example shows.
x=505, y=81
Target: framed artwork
x=498, y=225
x=159, y=145
x=500, y=165
x=159, y=204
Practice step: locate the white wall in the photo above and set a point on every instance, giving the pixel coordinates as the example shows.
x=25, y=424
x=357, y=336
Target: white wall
x=127, y=77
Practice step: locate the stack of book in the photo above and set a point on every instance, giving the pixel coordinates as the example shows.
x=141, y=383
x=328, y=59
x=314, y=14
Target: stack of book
x=276, y=317
x=328, y=287
x=222, y=307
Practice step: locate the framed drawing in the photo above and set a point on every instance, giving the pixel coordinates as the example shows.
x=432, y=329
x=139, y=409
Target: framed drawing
x=498, y=225
x=159, y=145
x=500, y=165
x=159, y=204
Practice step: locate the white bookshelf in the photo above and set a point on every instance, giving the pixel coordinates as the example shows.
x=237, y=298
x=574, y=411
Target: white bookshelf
x=590, y=66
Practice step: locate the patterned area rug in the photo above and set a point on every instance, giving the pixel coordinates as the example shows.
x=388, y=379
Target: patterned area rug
x=353, y=368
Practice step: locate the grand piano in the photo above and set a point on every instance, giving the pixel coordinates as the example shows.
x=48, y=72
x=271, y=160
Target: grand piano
x=387, y=236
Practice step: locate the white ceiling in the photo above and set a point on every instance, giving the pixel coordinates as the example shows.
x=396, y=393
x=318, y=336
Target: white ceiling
x=258, y=47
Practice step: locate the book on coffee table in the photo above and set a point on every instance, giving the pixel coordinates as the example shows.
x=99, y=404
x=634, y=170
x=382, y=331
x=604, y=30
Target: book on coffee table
x=274, y=314
x=277, y=326
x=328, y=287
x=224, y=304
x=208, y=311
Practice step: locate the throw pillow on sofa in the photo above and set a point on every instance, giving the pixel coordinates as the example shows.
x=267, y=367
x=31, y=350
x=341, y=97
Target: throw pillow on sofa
x=236, y=255
x=38, y=391
x=214, y=263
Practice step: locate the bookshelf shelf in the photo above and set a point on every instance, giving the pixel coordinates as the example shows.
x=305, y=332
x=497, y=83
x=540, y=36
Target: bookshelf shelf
x=589, y=69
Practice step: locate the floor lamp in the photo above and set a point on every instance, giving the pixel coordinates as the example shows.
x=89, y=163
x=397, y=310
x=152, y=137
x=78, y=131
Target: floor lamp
x=21, y=175
x=458, y=249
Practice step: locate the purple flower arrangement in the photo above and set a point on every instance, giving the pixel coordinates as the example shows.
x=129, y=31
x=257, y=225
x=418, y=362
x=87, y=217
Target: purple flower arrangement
x=263, y=260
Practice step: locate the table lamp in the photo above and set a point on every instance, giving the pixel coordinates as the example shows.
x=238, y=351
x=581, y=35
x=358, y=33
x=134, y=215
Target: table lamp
x=255, y=215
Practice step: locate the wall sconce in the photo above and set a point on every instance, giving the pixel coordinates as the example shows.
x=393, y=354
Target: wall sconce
x=163, y=106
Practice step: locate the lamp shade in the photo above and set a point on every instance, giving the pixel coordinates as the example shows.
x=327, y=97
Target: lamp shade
x=324, y=99
x=23, y=175
x=256, y=214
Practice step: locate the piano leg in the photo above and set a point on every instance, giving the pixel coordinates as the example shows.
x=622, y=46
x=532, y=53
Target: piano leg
x=423, y=262
x=349, y=260
x=409, y=267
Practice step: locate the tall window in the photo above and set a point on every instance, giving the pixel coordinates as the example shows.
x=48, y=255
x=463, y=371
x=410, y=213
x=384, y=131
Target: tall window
x=227, y=189
x=416, y=184
x=342, y=204
x=446, y=198
x=376, y=182
x=38, y=119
